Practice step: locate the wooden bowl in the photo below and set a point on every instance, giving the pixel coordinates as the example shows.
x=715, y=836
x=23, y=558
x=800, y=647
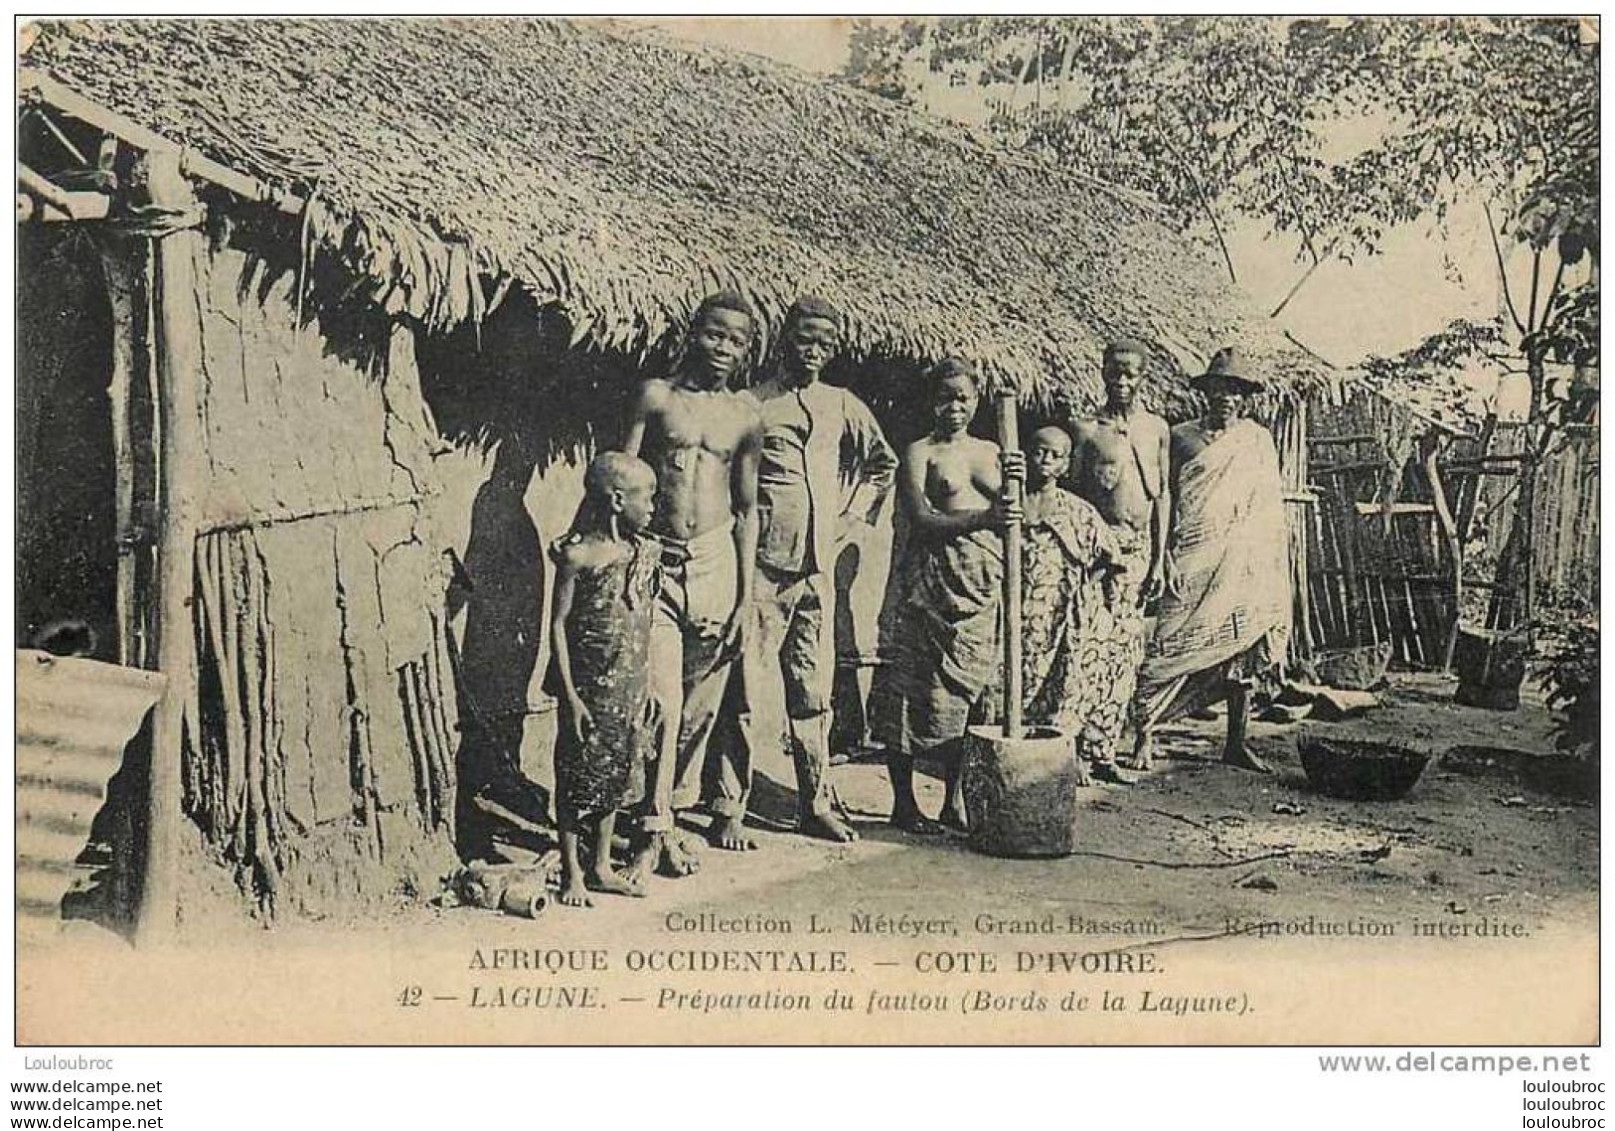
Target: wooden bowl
x=1359, y=769
x=1021, y=794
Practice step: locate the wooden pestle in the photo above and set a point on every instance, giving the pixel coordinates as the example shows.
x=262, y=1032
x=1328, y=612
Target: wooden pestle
x=1009, y=441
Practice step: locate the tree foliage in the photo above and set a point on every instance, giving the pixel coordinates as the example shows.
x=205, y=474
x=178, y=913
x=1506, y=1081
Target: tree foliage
x=1430, y=374
x=1333, y=130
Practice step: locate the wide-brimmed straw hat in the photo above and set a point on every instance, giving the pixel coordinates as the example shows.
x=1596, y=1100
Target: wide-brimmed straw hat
x=1228, y=373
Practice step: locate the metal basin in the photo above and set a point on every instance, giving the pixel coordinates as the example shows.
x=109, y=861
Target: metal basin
x=1359, y=769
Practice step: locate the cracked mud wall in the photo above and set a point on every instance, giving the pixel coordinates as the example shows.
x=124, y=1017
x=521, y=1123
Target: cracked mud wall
x=319, y=760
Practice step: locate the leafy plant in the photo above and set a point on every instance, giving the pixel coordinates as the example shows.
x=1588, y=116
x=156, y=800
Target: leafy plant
x=1571, y=682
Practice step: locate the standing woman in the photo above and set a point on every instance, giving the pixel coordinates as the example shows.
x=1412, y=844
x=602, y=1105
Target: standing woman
x=947, y=668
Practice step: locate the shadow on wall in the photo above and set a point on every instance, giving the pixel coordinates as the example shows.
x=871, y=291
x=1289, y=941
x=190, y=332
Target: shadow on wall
x=66, y=547
x=503, y=594
x=513, y=387
x=66, y=550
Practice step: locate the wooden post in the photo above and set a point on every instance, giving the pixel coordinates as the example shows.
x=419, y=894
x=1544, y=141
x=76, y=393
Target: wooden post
x=1525, y=514
x=1357, y=599
x=1469, y=495
x=1298, y=475
x=178, y=348
x=122, y=264
x=1448, y=522
x=1009, y=440
x=1331, y=617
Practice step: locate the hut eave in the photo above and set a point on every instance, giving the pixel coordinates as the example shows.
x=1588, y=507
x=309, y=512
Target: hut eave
x=628, y=185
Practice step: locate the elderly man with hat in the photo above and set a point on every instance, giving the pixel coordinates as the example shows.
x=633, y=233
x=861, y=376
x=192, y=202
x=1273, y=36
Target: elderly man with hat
x=1225, y=613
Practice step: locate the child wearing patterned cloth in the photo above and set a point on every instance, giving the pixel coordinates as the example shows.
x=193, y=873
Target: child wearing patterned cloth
x=605, y=589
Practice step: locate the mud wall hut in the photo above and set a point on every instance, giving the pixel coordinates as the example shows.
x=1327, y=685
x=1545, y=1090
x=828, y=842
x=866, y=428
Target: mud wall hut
x=306, y=625
x=396, y=284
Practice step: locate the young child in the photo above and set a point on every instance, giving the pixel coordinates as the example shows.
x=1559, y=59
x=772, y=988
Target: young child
x=1072, y=639
x=605, y=587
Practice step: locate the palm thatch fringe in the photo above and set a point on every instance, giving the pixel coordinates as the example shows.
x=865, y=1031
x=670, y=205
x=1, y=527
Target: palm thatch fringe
x=622, y=177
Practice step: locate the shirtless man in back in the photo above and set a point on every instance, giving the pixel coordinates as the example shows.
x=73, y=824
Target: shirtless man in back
x=1121, y=461
x=703, y=441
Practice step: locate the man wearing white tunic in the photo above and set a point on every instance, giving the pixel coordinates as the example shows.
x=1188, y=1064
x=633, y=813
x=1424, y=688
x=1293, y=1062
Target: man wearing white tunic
x=1225, y=614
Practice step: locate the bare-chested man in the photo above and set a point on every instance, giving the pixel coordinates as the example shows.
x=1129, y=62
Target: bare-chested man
x=703, y=441
x=947, y=664
x=1121, y=464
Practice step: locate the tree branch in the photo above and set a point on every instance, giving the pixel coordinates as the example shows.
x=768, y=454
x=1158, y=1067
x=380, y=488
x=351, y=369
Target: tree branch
x=1301, y=225
x=1216, y=229
x=1502, y=272
x=1205, y=202
x=1295, y=206
x=1553, y=292
x=1301, y=282
x=1308, y=350
x=1536, y=278
x=1279, y=854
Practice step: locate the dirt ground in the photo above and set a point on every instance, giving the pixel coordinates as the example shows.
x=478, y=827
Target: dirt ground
x=1465, y=841
x=1191, y=853
x=1482, y=833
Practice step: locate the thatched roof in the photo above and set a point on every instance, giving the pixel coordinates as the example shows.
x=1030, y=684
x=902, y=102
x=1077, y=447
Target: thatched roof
x=624, y=176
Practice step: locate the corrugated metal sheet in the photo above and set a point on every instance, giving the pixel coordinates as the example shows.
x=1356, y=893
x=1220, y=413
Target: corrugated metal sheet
x=74, y=718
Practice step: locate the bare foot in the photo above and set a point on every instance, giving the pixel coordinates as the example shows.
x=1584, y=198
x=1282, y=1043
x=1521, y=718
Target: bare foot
x=574, y=894
x=612, y=883
x=911, y=820
x=645, y=860
x=677, y=860
x=1241, y=758
x=826, y=826
x=729, y=834
x=1143, y=758
x=1108, y=772
x=688, y=841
